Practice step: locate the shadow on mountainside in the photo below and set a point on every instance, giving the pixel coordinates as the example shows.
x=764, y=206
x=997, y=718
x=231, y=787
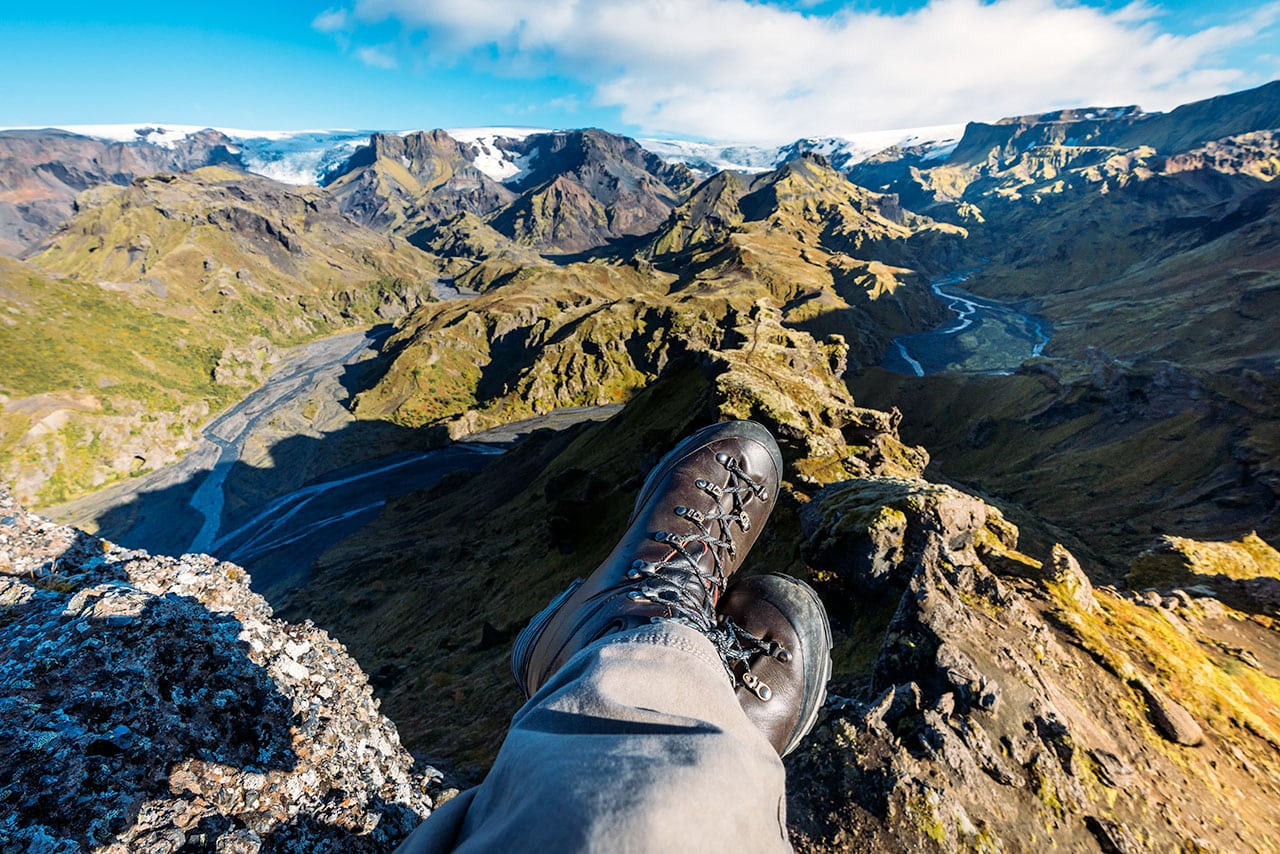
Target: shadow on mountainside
x=359, y=376
x=291, y=500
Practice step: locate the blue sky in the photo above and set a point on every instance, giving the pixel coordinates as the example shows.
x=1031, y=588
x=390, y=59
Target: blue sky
x=714, y=69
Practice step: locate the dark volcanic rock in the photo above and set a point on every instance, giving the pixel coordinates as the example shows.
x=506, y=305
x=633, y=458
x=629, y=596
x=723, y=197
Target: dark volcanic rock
x=1017, y=714
x=154, y=704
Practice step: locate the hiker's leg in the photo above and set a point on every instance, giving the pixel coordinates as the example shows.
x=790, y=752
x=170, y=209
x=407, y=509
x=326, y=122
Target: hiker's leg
x=638, y=743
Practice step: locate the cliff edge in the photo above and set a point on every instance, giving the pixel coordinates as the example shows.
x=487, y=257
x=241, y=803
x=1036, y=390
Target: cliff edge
x=155, y=704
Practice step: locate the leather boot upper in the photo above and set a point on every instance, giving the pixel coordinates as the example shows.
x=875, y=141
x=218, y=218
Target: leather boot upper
x=786, y=638
x=697, y=515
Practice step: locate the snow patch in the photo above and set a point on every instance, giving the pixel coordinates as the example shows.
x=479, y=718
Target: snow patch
x=493, y=160
x=936, y=142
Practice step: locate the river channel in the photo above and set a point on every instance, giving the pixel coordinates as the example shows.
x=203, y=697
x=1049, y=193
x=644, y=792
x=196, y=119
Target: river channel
x=985, y=336
x=275, y=520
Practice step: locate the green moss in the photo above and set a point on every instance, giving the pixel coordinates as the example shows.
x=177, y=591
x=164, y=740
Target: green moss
x=1213, y=686
x=1047, y=793
x=1181, y=561
x=922, y=810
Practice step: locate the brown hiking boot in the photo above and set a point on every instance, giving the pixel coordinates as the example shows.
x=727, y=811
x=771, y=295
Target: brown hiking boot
x=697, y=515
x=784, y=646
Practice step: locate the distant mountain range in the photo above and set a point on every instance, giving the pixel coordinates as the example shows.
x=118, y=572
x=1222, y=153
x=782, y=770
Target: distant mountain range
x=307, y=156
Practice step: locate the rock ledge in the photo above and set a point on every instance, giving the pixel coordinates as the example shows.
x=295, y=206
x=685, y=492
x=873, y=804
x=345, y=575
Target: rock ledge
x=155, y=704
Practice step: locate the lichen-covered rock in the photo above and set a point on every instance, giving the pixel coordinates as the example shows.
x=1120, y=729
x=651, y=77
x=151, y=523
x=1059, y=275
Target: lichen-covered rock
x=875, y=529
x=790, y=382
x=155, y=704
x=1063, y=569
x=1025, y=713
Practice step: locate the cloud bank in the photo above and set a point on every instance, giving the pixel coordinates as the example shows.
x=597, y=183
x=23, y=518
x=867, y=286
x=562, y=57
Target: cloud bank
x=733, y=69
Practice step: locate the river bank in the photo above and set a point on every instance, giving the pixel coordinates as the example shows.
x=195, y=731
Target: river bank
x=288, y=471
x=985, y=336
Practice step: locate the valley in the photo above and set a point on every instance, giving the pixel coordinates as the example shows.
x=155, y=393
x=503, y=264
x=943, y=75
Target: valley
x=286, y=506
x=1024, y=376
x=997, y=337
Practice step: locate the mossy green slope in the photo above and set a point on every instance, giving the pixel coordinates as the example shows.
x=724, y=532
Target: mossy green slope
x=161, y=302
x=93, y=386
x=542, y=336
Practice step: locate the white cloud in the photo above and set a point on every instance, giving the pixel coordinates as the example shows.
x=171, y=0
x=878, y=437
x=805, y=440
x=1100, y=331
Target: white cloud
x=331, y=21
x=377, y=56
x=745, y=70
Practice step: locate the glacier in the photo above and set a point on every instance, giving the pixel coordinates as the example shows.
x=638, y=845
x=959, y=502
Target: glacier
x=307, y=156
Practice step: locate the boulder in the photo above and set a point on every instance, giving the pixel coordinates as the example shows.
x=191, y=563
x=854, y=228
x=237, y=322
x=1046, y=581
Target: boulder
x=873, y=529
x=1064, y=570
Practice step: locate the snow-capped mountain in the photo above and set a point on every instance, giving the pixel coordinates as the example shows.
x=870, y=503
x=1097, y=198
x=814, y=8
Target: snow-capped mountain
x=307, y=156
x=293, y=157
x=706, y=158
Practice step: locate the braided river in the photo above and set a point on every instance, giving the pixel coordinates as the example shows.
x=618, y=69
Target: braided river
x=986, y=336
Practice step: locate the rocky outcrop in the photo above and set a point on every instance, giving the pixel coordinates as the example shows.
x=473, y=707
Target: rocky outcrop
x=1002, y=713
x=155, y=704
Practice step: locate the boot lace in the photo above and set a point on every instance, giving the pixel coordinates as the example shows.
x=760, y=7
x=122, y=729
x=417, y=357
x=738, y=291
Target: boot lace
x=690, y=593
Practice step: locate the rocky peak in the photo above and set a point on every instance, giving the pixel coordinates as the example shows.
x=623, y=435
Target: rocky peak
x=805, y=196
x=401, y=183
x=586, y=189
x=155, y=704
x=418, y=151
x=580, y=153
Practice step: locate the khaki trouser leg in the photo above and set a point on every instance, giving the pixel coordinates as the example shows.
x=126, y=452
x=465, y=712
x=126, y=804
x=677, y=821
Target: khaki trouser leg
x=637, y=744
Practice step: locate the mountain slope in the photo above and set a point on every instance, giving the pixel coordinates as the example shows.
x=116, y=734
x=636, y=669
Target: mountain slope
x=42, y=171
x=161, y=302
x=583, y=189
x=544, y=335
x=398, y=183
x=215, y=241
x=1152, y=253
